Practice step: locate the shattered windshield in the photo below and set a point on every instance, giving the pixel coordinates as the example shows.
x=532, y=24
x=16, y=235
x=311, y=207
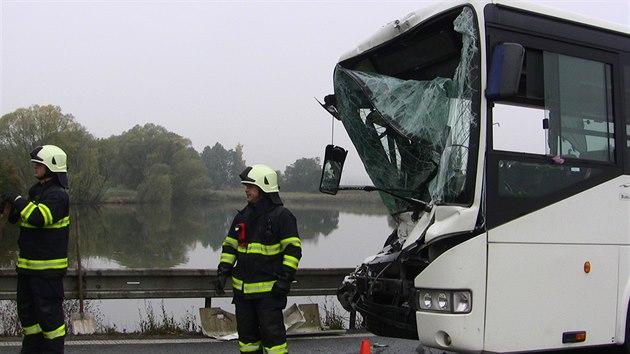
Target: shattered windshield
x=407, y=108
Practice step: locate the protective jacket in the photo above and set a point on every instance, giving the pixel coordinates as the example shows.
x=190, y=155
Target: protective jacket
x=44, y=229
x=262, y=247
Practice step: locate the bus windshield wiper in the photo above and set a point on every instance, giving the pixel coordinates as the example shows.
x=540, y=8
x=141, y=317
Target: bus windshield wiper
x=413, y=201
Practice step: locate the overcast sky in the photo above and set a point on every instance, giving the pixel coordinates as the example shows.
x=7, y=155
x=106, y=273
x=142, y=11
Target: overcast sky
x=230, y=72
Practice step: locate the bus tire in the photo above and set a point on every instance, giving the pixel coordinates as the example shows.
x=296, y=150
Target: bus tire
x=625, y=348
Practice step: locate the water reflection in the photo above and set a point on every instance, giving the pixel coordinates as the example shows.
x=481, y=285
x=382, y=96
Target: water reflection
x=165, y=236
x=190, y=236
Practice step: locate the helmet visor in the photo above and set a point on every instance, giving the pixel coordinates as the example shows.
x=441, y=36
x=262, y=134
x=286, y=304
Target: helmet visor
x=245, y=178
x=34, y=155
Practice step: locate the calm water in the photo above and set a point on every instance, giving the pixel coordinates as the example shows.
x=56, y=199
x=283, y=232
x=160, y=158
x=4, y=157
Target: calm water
x=190, y=236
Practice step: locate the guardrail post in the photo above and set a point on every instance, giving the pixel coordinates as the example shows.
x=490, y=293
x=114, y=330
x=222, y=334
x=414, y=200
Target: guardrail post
x=353, y=319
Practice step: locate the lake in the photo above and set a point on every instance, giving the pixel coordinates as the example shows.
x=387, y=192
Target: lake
x=190, y=236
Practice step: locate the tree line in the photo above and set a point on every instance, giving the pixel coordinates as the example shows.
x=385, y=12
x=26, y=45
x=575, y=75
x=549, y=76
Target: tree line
x=159, y=165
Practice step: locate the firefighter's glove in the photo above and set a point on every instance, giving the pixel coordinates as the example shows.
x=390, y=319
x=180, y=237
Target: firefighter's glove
x=219, y=284
x=10, y=197
x=223, y=271
x=281, y=287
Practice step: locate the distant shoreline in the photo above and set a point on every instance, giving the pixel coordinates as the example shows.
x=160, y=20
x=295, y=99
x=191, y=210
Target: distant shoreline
x=345, y=198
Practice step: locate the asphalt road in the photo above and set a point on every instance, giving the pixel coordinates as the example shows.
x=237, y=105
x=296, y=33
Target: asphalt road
x=348, y=343
x=329, y=344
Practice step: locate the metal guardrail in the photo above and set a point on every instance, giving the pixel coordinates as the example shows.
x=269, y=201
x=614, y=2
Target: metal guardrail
x=152, y=283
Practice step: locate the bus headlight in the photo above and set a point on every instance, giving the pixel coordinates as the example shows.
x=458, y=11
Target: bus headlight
x=426, y=301
x=449, y=301
x=443, y=302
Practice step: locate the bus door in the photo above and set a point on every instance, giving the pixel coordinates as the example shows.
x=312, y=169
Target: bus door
x=558, y=202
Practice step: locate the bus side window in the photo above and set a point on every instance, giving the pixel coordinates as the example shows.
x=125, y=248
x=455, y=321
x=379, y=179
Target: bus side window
x=572, y=125
x=578, y=109
x=578, y=97
x=518, y=129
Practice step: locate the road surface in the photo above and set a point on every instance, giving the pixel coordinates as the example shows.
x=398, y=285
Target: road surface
x=329, y=344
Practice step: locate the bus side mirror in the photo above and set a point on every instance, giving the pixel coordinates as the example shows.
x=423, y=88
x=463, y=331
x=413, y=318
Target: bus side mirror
x=334, y=159
x=505, y=70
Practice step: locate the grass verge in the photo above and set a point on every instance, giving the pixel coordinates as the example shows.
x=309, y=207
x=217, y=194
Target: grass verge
x=152, y=321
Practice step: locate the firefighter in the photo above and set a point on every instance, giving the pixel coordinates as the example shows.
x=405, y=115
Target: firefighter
x=261, y=253
x=43, y=257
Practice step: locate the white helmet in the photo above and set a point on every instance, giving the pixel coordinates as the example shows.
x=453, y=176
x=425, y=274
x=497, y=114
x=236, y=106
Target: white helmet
x=262, y=176
x=54, y=159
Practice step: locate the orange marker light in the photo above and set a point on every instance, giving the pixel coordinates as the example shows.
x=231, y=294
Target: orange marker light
x=574, y=337
x=587, y=267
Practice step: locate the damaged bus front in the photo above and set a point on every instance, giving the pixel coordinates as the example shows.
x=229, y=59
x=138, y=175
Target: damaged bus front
x=497, y=136
x=410, y=105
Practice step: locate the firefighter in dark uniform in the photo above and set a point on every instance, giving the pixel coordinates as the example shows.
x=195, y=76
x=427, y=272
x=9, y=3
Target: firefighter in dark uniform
x=261, y=253
x=43, y=258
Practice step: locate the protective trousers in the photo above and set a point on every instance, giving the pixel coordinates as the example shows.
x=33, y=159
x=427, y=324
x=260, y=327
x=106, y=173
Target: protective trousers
x=40, y=309
x=260, y=324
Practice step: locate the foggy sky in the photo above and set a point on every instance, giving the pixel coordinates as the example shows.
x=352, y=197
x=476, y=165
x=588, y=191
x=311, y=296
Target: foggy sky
x=212, y=71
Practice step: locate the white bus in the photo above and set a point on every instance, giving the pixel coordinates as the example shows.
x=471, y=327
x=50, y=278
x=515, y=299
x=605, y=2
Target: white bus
x=498, y=138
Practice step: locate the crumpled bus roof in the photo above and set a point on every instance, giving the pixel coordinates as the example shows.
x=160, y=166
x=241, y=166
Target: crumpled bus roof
x=399, y=26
